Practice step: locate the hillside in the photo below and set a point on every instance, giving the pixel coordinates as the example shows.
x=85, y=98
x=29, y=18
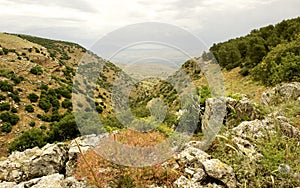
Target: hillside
x=36, y=84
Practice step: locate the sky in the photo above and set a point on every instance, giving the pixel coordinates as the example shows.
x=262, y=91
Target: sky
x=86, y=21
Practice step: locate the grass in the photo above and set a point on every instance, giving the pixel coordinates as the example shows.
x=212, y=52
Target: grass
x=290, y=109
x=236, y=83
x=277, y=151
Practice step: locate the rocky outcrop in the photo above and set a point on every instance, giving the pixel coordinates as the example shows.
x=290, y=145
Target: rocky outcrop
x=51, y=181
x=33, y=163
x=258, y=128
x=241, y=110
x=200, y=170
x=243, y=134
x=46, y=167
x=283, y=92
x=236, y=111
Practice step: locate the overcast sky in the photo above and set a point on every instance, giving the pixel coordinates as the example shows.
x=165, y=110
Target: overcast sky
x=86, y=21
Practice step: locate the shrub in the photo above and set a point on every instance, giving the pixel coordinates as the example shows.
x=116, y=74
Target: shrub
x=44, y=87
x=66, y=93
x=6, y=87
x=33, y=97
x=32, y=124
x=204, y=93
x=4, y=116
x=17, y=80
x=6, y=127
x=2, y=97
x=4, y=106
x=67, y=104
x=44, y=104
x=15, y=97
x=14, y=119
x=99, y=109
x=63, y=130
x=14, y=110
x=37, y=70
x=5, y=51
x=28, y=139
x=29, y=108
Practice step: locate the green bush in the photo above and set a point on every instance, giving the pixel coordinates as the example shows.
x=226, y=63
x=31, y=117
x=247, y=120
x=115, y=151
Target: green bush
x=67, y=104
x=44, y=104
x=63, y=130
x=14, y=119
x=28, y=139
x=6, y=127
x=65, y=92
x=4, y=106
x=4, y=116
x=44, y=87
x=6, y=87
x=282, y=64
x=99, y=109
x=32, y=124
x=37, y=70
x=204, y=93
x=14, y=110
x=29, y=108
x=33, y=97
x=15, y=97
x=2, y=97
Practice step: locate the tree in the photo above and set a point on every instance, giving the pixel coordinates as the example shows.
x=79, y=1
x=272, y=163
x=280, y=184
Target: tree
x=6, y=127
x=37, y=70
x=63, y=130
x=33, y=97
x=29, y=108
x=5, y=106
x=44, y=104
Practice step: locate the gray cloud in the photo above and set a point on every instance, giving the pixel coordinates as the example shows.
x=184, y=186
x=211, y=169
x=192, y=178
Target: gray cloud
x=74, y=4
x=82, y=22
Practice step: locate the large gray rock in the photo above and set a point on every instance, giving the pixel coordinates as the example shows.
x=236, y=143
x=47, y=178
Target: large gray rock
x=215, y=111
x=283, y=92
x=200, y=170
x=51, y=181
x=259, y=128
x=32, y=163
x=244, y=133
x=220, y=171
x=241, y=110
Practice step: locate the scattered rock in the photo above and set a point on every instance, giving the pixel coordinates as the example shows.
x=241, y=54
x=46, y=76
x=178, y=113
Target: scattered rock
x=184, y=182
x=200, y=170
x=283, y=92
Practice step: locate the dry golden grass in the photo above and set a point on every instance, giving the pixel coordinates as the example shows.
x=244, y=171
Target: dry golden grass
x=236, y=83
x=107, y=172
x=11, y=42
